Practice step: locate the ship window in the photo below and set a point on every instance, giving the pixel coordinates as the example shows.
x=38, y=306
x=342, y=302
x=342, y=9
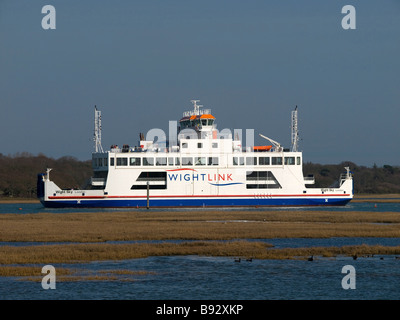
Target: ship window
x=161, y=161
x=251, y=161
x=177, y=161
x=105, y=162
x=200, y=161
x=187, y=161
x=157, y=180
x=298, y=161
x=276, y=160
x=184, y=145
x=199, y=145
x=148, y=161
x=213, y=161
x=204, y=122
x=238, y=161
x=134, y=161
x=210, y=122
x=289, y=161
x=170, y=161
x=263, y=161
x=215, y=145
x=122, y=161
x=111, y=161
x=261, y=180
x=100, y=162
x=94, y=162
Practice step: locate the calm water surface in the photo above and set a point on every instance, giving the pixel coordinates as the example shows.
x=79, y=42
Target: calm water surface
x=216, y=278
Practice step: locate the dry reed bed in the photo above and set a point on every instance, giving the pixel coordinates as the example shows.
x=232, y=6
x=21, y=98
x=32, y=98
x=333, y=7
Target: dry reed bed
x=78, y=253
x=34, y=273
x=196, y=224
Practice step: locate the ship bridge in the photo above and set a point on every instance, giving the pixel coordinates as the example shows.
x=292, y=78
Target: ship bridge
x=199, y=120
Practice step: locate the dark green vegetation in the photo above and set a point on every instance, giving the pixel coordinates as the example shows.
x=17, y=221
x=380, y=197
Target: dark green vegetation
x=18, y=174
x=378, y=180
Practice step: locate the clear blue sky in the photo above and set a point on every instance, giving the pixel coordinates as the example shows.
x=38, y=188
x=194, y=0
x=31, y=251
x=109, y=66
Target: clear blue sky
x=251, y=62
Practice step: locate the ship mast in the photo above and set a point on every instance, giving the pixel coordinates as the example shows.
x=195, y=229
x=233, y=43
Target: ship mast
x=295, y=131
x=97, y=130
x=196, y=107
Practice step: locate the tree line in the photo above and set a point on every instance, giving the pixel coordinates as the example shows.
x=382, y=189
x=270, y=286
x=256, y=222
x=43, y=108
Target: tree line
x=18, y=175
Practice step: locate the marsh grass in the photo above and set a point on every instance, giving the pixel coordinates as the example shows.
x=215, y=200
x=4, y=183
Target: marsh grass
x=33, y=273
x=196, y=224
x=207, y=228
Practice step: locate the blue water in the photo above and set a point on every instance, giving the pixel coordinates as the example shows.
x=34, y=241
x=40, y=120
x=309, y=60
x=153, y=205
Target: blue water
x=220, y=278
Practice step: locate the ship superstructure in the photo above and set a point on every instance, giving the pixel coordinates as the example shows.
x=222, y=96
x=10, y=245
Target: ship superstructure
x=200, y=168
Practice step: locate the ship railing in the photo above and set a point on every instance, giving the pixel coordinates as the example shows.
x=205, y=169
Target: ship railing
x=196, y=113
x=309, y=180
x=97, y=181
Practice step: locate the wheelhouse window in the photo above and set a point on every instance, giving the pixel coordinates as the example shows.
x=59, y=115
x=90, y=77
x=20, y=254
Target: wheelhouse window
x=148, y=161
x=134, y=161
x=199, y=145
x=184, y=145
x=298, y=161
x=215, y=145
x=289, y=161
x=238, y=161
x=170, y=161
x=263, y=161
x=276, y=161
x=122, y=161
x=251, y=161
x=213, y=161
x=161, y=161
x=200, y=161
x=177, y=161
x=187, y=161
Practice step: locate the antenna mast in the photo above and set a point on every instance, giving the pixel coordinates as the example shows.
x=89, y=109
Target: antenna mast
x=196, y=107
x=295, y=131
x=97, y=130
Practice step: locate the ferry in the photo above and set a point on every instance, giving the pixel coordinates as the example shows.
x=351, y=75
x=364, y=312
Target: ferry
x=197, y=166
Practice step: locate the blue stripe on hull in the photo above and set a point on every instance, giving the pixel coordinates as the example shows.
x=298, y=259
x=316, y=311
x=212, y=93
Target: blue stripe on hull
x=207, y=202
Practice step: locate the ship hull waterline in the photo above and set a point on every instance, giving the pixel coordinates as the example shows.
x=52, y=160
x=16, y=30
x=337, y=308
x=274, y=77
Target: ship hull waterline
x=195, y=203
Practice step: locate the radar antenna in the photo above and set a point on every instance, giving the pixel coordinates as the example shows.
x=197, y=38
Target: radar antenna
x=97, y=130
x=196, y=107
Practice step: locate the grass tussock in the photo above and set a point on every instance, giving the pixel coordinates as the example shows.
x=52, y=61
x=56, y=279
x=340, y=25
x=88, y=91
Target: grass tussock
x=33, y=273
x=77, y=253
